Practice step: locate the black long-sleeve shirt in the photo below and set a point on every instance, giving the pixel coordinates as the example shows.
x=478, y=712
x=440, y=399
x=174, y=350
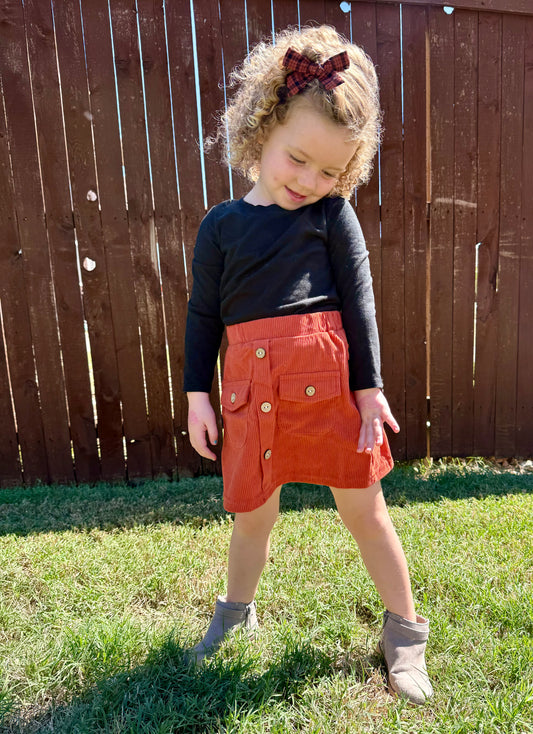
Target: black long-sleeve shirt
x=253, y=262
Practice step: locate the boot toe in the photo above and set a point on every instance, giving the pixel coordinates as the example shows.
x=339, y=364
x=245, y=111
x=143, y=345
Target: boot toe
x=415, y=688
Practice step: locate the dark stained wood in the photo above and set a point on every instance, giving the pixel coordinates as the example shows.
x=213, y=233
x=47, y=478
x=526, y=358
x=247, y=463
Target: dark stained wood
x=508, y=296
x=498, y=6
x=96, y=302
x=211, y=83
x=414, y=24
x=312, y=12
x=60, y=229
x=259, y=16
x=108, y=155
x=285, y=14
x=17, y=336
x=392, y=211
x=179, y=243
x=38, y=278
x=489, y=141
x=143, y=237
x=368, y=206
x=524, y=409
x=338, y=18
x=441, y=44
x=234, y=45
x=10, y=473
x=465, y=220
x=466, y=134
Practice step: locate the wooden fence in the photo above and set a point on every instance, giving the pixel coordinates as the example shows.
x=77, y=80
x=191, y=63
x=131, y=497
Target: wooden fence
x=103, y=185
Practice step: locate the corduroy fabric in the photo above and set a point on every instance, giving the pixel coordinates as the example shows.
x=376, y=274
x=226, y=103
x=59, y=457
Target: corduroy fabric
x=289, y=414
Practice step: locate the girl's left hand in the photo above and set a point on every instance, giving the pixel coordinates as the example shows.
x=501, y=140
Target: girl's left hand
x=375, y=412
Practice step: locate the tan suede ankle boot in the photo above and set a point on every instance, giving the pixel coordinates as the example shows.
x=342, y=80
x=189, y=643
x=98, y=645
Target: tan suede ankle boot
x=228, y=617
x=403, y=644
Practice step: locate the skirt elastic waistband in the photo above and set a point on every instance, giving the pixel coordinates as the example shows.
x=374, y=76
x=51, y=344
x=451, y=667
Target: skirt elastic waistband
x=284, y=326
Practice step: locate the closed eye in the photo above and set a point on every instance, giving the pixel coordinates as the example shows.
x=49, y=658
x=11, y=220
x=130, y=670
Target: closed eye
x=296, y=160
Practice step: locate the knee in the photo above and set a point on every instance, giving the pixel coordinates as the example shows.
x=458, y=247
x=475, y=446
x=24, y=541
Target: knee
x=370, y=525
x=248, y=525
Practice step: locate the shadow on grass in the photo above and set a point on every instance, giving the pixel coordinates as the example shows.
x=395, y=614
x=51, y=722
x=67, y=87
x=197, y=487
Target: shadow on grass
x=196, y=502
x=165, y=695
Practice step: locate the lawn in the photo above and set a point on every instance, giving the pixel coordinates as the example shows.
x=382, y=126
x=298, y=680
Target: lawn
x=102, y=588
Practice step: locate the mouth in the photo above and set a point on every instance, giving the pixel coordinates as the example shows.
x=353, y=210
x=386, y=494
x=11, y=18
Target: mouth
x=294, y=196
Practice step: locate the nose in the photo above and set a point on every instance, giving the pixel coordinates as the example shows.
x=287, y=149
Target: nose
x=307, y=180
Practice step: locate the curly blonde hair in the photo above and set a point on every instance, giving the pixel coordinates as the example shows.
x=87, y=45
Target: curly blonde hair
x=261, y=102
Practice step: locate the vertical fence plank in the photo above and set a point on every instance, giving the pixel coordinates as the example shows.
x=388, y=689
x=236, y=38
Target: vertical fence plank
x=489, y=142
x=15, y=331
x=465, y=220
x=509, y=248
x=142, y=234
x=441, y=40
x=10, y=474
x=339, y=17
x=285, y=14
x=211, y=82
x=259, y=17
x=392, y=206
x=111, y=193
x=524, y=444
x=234, y=43
x=192, y=210
x=415, y=229
x=368, y=204
x=60, y=227
x=95, y=286
x=167, y=203
x=34, y=247
x=312, y=12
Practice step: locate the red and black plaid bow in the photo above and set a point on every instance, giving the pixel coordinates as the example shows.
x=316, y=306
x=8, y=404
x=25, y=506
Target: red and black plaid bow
x=303, y=71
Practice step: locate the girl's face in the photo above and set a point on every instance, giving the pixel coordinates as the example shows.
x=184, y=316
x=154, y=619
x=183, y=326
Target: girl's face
x=301, y=159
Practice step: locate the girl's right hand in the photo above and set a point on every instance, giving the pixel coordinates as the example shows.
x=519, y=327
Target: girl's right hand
x=201, y=419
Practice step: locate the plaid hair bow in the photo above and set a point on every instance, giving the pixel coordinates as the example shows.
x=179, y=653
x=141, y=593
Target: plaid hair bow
x=303, y=71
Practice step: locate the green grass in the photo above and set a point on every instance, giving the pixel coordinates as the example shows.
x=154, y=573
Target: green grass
x=101, y=589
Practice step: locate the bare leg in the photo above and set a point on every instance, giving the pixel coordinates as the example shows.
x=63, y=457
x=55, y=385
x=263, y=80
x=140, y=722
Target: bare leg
x=365, y=514
x=249, y=547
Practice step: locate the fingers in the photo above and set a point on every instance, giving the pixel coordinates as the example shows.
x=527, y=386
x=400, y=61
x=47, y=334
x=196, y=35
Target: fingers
x=197, y=436
x=371, y=433
x=199, y=444
x=392, y=422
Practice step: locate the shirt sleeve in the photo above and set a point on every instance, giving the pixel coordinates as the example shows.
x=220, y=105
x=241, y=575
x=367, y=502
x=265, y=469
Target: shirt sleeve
x=353, y=280
x=204, y=328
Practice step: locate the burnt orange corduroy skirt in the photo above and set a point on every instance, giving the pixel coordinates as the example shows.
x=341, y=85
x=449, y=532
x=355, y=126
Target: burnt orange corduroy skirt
x=288, y=412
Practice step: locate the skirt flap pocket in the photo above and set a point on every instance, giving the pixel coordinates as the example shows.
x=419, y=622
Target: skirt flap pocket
x=235, y=394
x=310, y=387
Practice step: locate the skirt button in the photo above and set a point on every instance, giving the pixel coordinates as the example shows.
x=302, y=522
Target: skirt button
x=266, y=407
x=267, y=454
x=260, y=353
x=310, y=390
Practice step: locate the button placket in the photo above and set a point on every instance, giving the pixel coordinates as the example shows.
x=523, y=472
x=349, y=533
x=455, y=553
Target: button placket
x=265, y=403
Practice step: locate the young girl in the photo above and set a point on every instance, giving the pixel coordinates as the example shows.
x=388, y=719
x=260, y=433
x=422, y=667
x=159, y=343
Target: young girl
x=285, y=270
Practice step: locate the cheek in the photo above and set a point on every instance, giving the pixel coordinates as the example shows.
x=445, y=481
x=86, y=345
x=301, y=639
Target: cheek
x=326, y=187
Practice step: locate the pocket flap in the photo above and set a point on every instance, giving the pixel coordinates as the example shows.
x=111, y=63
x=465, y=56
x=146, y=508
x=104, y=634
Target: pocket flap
x=235, y=394
x=310, y=387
